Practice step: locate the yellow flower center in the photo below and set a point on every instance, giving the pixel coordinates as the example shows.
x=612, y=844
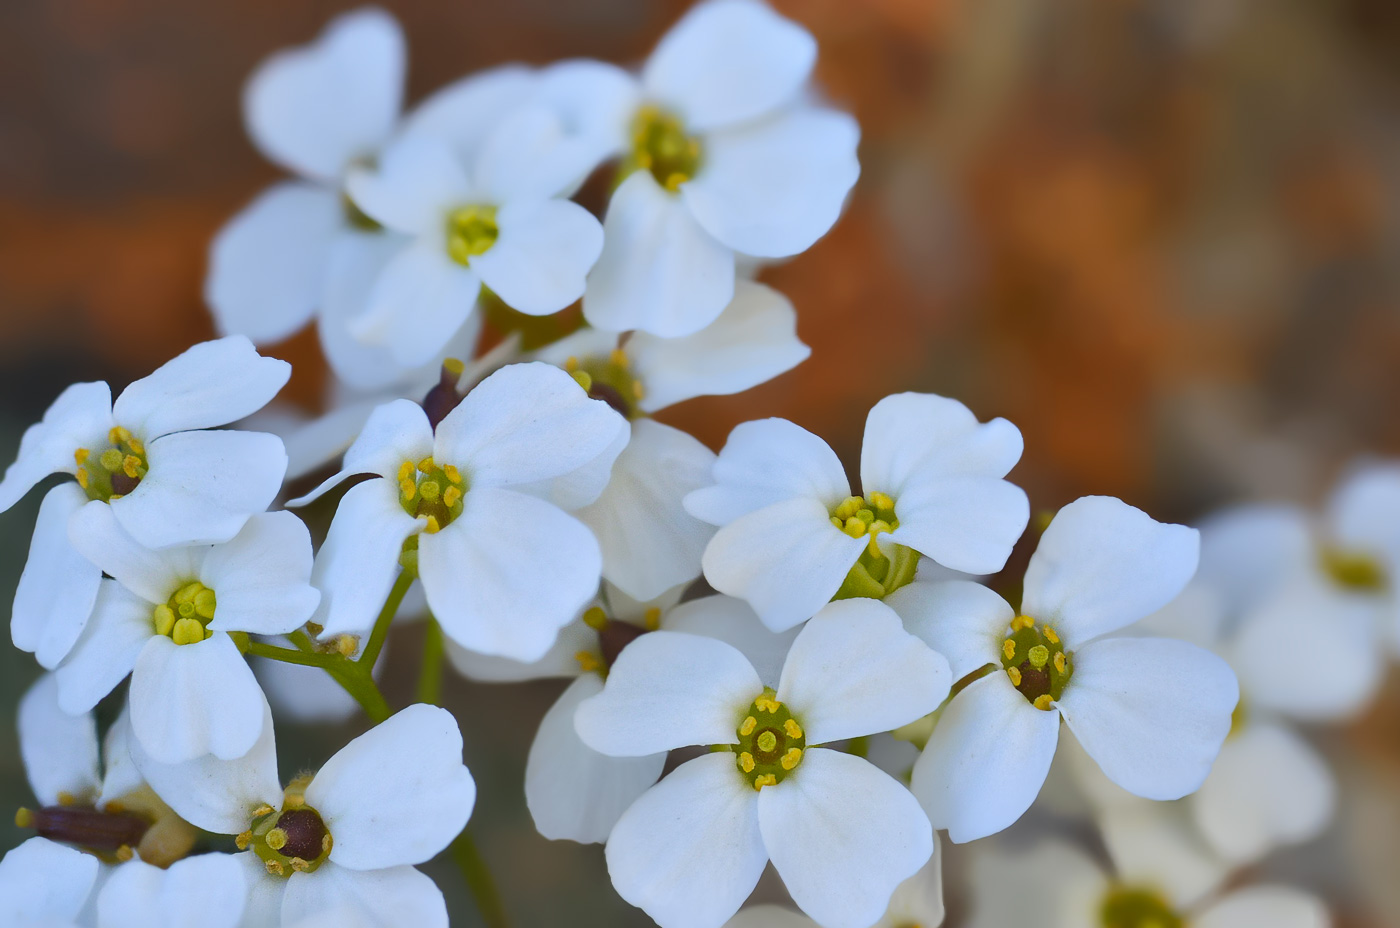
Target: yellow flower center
x=660, y=145
x=427, y=490
x=293, y=839
x=1355, y=571
x=185, y=617
x=471, y=231
x=1036, y=661
x=609, y=379
x=770, y=742
x=1134, y=907
x=874, y=575
x=112, y=472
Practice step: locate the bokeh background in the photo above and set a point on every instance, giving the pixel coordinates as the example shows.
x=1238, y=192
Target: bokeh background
x=1159, y=235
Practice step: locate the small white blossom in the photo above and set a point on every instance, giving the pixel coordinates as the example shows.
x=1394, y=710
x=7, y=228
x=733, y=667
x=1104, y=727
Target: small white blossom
x=1152, y=712
x=792, y=536
x=165, y=618
x=841, y=833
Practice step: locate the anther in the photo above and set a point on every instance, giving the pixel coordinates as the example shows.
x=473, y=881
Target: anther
x=792, y=728
x=1022, y=621
x=587, y=662
x=595, y=618
x=274, y=867
x=1015, y=674
x=854, y=527
x=346, y=645
x=405, y=471
x=584, y=379
x=767, y=779
x=747, y=728
x=618, y=357
x=767, y=704
x=792, y=758
x=129, y=465
x=187, y=631
x=1050, y=635
x=746, y=763
x=299, y=865
x=1008, y=647
x=433, y=527
x=24, y=818
x=453, y=474
x=1043, y=702
x=165, y=619
x=426, y=465
x=125, y=853
x=1060, y=663
x=242, y=841
x=81, y=455
x=652, y=618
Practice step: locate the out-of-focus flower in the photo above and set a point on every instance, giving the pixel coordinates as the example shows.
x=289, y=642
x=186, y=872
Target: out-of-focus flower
x=792, y=536
x=1151, y=712
x=840, y=832
x=165, y=618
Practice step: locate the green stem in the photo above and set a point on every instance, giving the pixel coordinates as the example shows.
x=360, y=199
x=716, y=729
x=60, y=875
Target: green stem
x=479, y=881
x=430, y=671
x=359, y=684
x=286, y=655
x=386, y=616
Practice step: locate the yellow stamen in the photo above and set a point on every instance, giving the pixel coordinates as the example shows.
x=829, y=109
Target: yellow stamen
x=274, y=867
x=767, y=704
x=454, y=366
x=262, y=810
x=82, y=477
x=116, y=435
x=587, y=662
x=433, y=528
x=187, y=631
x=1008, y=647
x=570, y=364
x=1043, y=702
x=242, y=841
x=136, y=445
x=1050, y=635
x=792, y=758
x=1015, y=674
x=23, y=818
x=638, y=391
x=204, y=603
x=1060, y=661
x=595, y=618
x=165, y=619
x=405, y=471
x=854, y=527
x=1022, y=621
x=300, y=865
x=81, y=455
x=451, y=496
x=130, y=463
x=792, y=728
x=426, y=465
x=125, y=853
x=408, y=489
x=453, y=474
x=652, y=618
x=746, y=762
x=767, y=779
x=618, y=357
x=881, y=500
x=346, y=645
x=584, y=379
x=747, y=728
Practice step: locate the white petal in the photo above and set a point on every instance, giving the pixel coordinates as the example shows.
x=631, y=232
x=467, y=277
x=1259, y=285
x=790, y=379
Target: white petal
x=357, y=565
x=575, y=793
x=525, y=423
x=120, y=626
x=1197, y=615
x=558, y=661
x=418, y=304
x=854, y=670
x=1152, y=712
x=545, y=250
x=121, y=776
x=153, y=575
x=58, y=587
x=1265, y=907
x=650, y=543
x=767, y=461
x=1154, y=845
x=44, y=882
x=1102, y=565
x=786, y=560
x=595, y=102
x=417, y=181
x=843, y=835
x=267, y=264
x=964, y=621
x=689, y=851
x=534, y=153
x=1344, y=664
x=482, y=573
x=909, y=434
x=217, y=795
x=919, y=899
x=735, y=623
x=772, y=188
x=668, y=690
x=264, y=903
x=986, y=760
x=59, y=750
x=582, y=487
x=752, y=341
x=317, y=107
x=1068, y=887
x=202, y=487
x=206, y=891
x=1365, y=508
x=395, y=432
x=1248, y=551
x=463, y=112
x=727, y=61
x=209, y=384
x=659, y=271
x=262, y=578
x=304, y=694
x=79, y=418
x=398, y=794
x=1268, y=788
x=194, y=699
x=387, y=898
x=965, y=523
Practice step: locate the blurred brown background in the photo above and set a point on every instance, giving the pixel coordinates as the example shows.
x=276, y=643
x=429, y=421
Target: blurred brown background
x=1159, y=235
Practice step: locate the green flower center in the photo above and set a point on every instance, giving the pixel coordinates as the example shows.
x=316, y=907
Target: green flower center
x=1129, y=907
x=293, y=839
x=660, y=145
x=1356, y=571
x=471, y=231
x=1036, y=661
x=609, y=379
x=114, y=471
x=427, y=490
x=874, y=575
x=185, y=618
x=770, y=743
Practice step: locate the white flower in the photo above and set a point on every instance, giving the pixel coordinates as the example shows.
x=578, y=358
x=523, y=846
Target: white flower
x=723, y=156
x=165, y=618
x=99, y=803
x=1158, y=879
x=496, y=218
x=503, y=567
x=1151, y=712
x=206, y=891
x=793, y=536
x=348, y=836
x=841, y=833
x=44, y=884
x=650, y=543
x=573, y=792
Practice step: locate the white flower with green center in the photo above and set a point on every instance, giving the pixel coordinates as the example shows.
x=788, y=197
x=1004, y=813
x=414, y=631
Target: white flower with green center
x=574, y=792
x=503, y=566
x=165, y=618
x=723, y=155
x=841, y=833
x=350, y=835
x=151, y=457
x=209, y=891
x=793, y=536
x=1158, y=880
x=44, y=884
x=650, y=543
x=1151, y=712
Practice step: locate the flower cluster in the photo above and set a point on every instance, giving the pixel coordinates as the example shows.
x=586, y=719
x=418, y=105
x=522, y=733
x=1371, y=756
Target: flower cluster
x=769, y=663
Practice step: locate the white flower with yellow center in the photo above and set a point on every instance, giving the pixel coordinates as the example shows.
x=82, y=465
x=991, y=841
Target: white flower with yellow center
x=44, y=884
x=152, y=458
x=841, y=833
x=350, y=835
x=723, y=155
x=1151, y=712
x=1158, y=880
x=574, y=792
x=166, y=618
x=650, y=543
x=793, y=536
x=502, y=565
